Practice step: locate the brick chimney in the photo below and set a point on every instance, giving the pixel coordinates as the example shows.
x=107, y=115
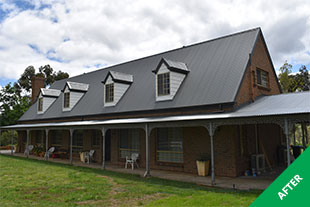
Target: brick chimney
x=36, y=84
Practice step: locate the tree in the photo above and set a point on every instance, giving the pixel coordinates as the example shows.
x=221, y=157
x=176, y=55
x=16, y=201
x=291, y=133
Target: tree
x=302, y=78
x=284, y=77
x=25, y=79
x=13, y=104
x=46, y=72
x=292, y=83
x=13, y=100
x=6, y=138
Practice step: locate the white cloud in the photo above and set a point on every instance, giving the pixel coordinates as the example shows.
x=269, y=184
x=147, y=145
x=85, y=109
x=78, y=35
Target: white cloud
x=83, y=34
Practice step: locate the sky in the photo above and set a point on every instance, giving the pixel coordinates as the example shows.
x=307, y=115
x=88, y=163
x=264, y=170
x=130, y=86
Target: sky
x=78, y=36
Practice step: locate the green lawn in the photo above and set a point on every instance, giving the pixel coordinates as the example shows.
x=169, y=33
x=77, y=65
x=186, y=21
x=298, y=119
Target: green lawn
x=26, y=182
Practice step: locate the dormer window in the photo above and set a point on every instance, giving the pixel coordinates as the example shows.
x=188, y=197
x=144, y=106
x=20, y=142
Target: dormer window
x=109, y=93
x=40, y=104
x=67, y=100
x=46, y=98
x=163, y=84
x=72, y=94
x=115, y=86
x=169, y=77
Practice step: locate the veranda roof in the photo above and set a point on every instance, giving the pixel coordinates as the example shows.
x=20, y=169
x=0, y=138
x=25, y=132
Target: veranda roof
x=276, y=105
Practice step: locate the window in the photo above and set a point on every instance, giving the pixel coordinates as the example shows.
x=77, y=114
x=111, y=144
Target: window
x=96, y=137
x=129, y=142
x=169, y=145
x=262, y=78
x=66, y=100
x=40, y=105
x=39, y=138
x=163, y=84
x=109, y=92
x=56, y=138
x=77, y=142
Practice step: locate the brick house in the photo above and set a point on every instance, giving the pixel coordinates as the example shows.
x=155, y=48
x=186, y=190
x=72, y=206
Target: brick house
x=172, y=108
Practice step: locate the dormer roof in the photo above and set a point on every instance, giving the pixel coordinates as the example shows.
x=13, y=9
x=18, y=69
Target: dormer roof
x=119, y=77
x=46, y=92
x=75, y=86
x=175, y=66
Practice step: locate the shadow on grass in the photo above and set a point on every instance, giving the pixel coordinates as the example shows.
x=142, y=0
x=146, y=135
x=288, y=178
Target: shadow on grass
x=131, y=177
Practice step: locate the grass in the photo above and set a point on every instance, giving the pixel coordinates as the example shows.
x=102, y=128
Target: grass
x=25, y=182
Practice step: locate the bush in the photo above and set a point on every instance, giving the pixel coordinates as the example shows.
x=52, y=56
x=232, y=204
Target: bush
x=6, y=136
x=38, y=149
x=7, y=147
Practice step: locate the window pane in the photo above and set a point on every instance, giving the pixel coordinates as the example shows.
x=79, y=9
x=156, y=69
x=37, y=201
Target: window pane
x=77, y=142
x=129, y=142
x=264, y=79
x=96, y=137
x=40, y=106
x=109, y=92
x=169, y=145
x=66, y=100
x=56, y=138
x=259, y=78
x=39, y=137
x=163, y=84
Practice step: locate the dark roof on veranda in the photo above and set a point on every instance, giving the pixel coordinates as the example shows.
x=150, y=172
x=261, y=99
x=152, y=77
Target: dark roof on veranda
x=216, y=71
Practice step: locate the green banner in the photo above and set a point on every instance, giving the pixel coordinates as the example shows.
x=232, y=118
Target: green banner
x=291, y=188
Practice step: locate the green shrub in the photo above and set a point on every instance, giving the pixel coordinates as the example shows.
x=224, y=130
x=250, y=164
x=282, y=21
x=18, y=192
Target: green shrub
x=6, y=136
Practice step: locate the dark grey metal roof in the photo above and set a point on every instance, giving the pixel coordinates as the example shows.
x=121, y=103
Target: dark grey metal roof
x=217, y=67
x=282, y=104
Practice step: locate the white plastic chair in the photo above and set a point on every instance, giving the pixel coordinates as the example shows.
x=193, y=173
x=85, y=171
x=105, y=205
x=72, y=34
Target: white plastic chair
x=49, y=152
x=89, y=156
x=132, y=160
x=28, y=150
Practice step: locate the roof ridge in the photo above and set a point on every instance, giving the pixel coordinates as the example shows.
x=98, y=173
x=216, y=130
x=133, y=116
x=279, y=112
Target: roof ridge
x=160, y=53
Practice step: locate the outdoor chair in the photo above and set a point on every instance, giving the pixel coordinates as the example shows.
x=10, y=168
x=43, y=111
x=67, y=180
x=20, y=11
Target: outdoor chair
x=132, y=160
x=49, y=152
x=89, y=156
x=28, y=150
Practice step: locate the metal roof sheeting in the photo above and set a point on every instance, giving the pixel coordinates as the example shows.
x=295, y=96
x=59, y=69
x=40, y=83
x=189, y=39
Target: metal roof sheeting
x=50, y=92
x=216, y=72
x=77, y=86
x=117, y=76
x=283, y=104
x=177, y=65
x=290, y=103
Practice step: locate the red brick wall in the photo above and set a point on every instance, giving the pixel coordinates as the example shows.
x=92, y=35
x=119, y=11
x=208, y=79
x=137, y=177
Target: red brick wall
x=196, y=141
x=224, y=151
x=269, y=138
x=115, y=152
x=259, y=60
x=228, y=159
